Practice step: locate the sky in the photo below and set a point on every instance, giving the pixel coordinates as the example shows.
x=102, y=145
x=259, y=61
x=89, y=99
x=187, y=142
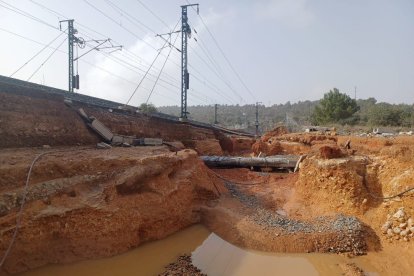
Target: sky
x=240, y=52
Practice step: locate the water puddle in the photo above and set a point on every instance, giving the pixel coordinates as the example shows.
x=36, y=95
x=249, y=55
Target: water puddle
x=217, y=257
x=148, y=259
x=213, y=255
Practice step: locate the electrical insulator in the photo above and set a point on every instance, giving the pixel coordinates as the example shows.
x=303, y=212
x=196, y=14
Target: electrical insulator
x=75, y=82
x=187, y=80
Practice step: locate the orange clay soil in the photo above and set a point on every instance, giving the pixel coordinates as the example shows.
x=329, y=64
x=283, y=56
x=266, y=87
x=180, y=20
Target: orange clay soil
x=85, y=203
x=89, y=203
x=348, y=184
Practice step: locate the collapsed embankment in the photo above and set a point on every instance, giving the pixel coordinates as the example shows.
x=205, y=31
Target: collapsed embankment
x=36, y=119
x=88, y=203
x=85, y=203
x=370, y=178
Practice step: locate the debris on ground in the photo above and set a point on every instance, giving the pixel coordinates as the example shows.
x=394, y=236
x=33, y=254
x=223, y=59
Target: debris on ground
x=399, y=226
x=183, y=266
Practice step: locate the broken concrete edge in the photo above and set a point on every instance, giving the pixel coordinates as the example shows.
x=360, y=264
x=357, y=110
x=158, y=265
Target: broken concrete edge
x=103, y=145
x=115, y=139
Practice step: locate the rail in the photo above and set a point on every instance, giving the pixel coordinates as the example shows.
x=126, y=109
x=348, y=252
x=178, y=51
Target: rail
x=9, y=85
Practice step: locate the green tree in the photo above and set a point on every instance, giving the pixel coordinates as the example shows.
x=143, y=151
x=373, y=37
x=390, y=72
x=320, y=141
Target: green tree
x=335, y=107
x=147, y=108
x=385, y=114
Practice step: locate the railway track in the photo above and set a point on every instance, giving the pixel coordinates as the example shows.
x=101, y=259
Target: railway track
x=12, y=85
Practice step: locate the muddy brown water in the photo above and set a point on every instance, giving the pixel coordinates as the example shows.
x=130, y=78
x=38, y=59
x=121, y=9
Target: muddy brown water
x=213, y=255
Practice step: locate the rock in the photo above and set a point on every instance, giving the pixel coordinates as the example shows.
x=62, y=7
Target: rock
x=330, y=151
x=390, y=233
x=406, y=239
x=387, y=225
x=403, y=233
x=399, y=214
x=396, y=230
x=46, y=146
x=411, y=229
x=410, y=222
x=403, y=225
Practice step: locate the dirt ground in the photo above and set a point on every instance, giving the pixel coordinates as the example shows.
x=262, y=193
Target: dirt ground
x=85, y=203
x=353, y=185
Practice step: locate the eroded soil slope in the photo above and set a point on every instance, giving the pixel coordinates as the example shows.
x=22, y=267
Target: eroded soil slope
x=89, y=203
x=360, y=182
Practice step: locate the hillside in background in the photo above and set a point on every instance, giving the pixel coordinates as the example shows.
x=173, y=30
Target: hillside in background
x=370, y=114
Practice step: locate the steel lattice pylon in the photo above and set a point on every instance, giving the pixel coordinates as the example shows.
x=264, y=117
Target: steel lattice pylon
x=185, y=77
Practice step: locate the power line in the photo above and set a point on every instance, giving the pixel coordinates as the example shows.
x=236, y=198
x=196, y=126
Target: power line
x=127, y=52
x=54, y=51
x=122, y=12
x=224, y=55
x=23, y=13
x=209, y=55
x=156, y=57
x=162, y=68
x=173, y=62
x=38, y=53
x=214, y=88
x=156, y=16
x=120, y=25
x=125, y=64
x=129, y=66
x=123, y=53
x=86, y=62
x=29, y=39
x=218, y=75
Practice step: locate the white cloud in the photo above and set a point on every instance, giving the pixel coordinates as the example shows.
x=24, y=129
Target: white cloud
x=113, y=87
x=292, y=13
x=101, y=84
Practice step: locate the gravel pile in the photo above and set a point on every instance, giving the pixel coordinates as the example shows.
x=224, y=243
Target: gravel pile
x=248, y=200
x=183, y=267
x=348, y=230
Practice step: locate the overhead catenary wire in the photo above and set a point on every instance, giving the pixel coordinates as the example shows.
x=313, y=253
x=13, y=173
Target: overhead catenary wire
x=119, y=24
x=36, y=19
x=198, y=77
x=220, y=77
x=207, y=52
x=224, y=55
x=47, y=59
x=240, y=98
x=112, y=74
x=26, y=14
x=155, y=15
x=38, y=53
x=83, y=26
x=162, y=68
x=126, y=53
x=130, y=55
x=108, y=72
x=146, y=73
x=129, y=17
